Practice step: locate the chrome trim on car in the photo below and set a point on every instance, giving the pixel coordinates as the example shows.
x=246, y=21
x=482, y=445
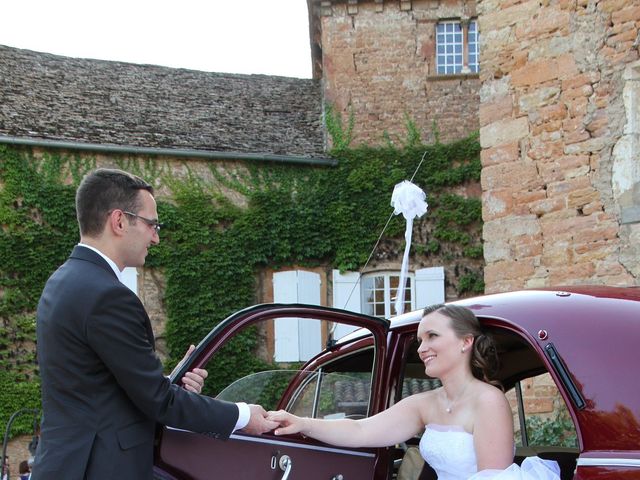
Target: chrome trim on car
x=608, y=462
x=302, y=445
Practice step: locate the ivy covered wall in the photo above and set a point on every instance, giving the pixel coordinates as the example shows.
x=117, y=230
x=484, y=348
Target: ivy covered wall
x=219, y=233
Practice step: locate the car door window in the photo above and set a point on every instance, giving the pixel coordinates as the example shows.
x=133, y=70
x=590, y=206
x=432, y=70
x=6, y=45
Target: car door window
x=546, y=418
x=414, y=379
x=339, y=389
x=262, y=388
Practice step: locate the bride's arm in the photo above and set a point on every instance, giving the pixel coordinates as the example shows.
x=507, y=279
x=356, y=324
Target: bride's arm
x=493, y=431
x=396, y=424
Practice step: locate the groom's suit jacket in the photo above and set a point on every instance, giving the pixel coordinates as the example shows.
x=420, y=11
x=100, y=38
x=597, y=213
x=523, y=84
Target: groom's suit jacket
x=103, y=388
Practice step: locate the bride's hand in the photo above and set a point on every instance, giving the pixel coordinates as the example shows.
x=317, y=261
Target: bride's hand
x=289, y=423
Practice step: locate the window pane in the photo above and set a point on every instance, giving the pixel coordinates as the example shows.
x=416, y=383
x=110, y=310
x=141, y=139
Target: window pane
x=367, y=295
x=414, y=378
x=407, y=298
x=344, y=395
x=474, y=46
x=264, y=388
x=379, y=296
x=379, y=293
x=449, y=47
x=342, y=389
x=303, y=405
x=547, y=419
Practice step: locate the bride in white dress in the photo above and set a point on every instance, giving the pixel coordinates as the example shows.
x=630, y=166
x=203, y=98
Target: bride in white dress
x=467, y=423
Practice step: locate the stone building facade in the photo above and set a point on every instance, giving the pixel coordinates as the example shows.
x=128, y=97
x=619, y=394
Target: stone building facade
x=560, y=131
x=377, y=62
x=557, y=102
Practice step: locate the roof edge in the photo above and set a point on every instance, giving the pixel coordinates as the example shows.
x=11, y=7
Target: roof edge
x=173, y=152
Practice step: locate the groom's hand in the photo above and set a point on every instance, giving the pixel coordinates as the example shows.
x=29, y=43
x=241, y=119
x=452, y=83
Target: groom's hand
x=258, y=422
x=193, y=380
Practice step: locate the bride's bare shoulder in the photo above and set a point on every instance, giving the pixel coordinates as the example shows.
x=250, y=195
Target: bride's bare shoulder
x=488, y=396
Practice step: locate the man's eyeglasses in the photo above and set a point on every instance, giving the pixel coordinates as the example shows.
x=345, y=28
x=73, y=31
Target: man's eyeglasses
x=152, y=223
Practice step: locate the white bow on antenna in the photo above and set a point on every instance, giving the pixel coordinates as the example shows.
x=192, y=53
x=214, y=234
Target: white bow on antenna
x=410, y=200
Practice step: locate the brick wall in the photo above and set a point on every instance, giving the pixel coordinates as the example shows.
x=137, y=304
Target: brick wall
x=559, y=130
x=378, y=62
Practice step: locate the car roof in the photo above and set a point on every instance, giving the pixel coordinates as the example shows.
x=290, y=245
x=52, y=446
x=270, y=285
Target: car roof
x=536, y=308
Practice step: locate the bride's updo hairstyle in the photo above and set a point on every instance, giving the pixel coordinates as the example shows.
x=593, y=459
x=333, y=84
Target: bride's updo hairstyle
x=484, y=356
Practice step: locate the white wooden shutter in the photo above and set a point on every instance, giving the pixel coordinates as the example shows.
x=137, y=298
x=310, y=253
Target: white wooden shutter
x=296, y=339
x=309, y=334
x=429, y=286
x=285, y=290
x=343, y=286
x=347, y=296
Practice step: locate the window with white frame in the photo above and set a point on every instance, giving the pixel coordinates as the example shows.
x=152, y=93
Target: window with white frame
x=349, y=291
x=379, y=294
x=457, y=47
x=473, y=47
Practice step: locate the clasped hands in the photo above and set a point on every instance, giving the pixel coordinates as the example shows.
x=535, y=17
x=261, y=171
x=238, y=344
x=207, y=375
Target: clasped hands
x=281, y=422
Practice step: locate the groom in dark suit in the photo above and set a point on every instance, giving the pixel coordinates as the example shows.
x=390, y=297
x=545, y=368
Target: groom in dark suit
x=103, y=387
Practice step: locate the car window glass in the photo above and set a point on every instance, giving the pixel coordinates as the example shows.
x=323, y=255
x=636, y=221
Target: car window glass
x=249, y=368
x=339, y=389
x=262, y=388
x=547, y=420
x=414, y=379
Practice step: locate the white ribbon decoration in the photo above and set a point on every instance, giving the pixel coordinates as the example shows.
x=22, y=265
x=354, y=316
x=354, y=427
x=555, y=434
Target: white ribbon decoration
x=410, y=200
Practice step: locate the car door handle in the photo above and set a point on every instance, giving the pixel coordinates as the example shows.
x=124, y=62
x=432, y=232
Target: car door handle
x=286, y=464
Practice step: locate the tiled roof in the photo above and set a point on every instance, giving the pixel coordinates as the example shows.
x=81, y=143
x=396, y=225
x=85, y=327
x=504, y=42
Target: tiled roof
x=51, y=97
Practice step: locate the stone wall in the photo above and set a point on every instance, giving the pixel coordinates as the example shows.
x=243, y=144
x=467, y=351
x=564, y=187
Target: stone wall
x=378, y=63
x=560, y=129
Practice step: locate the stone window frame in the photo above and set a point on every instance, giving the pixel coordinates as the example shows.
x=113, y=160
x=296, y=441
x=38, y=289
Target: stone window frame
x=470, y=39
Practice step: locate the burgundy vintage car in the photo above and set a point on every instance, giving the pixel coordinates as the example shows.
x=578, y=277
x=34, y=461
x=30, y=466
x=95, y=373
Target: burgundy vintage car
x=578, y=345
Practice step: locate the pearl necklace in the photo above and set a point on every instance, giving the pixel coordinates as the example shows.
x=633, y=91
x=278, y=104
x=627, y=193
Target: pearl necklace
x=449, y=408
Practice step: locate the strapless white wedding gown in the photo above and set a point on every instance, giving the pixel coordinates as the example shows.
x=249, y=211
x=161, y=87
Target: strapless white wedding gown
x=449, y=450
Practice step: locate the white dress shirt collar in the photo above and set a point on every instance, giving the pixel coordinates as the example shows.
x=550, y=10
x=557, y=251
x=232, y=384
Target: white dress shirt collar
x=111, y=263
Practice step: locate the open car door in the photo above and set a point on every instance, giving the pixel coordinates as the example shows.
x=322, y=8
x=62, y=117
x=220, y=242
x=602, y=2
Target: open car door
x=342, y=380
